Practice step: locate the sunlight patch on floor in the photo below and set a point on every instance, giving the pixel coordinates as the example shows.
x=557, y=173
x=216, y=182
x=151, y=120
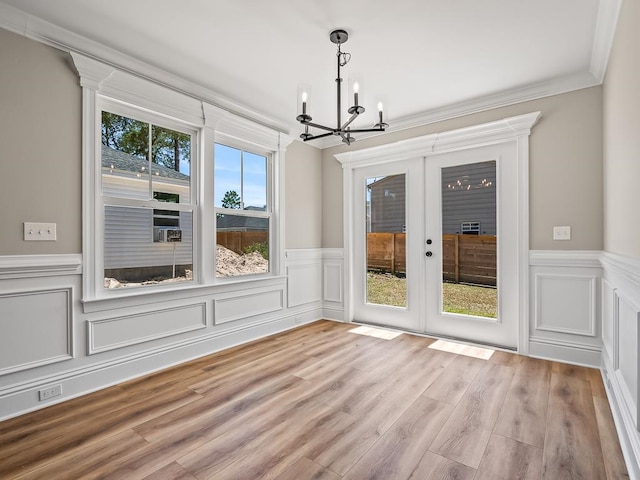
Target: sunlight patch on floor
x=462, y=349
x=376, y=332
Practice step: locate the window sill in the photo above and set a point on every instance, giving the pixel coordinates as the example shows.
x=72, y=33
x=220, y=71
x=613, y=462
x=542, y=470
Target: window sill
x=110, y=300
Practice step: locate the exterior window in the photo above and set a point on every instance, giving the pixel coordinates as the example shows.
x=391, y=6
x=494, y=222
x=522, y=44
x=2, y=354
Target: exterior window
x=243, y=212
x=146, y=200
x=166, y=218
x=470, y=228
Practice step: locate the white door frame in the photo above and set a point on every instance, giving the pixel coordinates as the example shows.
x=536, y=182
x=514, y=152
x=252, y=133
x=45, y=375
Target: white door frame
x=513, y=129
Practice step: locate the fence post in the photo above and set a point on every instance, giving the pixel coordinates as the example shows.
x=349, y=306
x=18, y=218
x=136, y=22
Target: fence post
x=393, y=253
x=456, y=249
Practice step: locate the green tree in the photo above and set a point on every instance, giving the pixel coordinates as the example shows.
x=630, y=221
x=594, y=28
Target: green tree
x=125, y=134
x=231, y=199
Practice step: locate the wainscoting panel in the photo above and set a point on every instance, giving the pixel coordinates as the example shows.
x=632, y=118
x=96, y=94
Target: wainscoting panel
x=609, y=319
x=627, y=371
x=303, y=284
x=620, y=358
x=124, y=331
x=565, y=306
x=247, y=303
x=37, y=329
x=333, y=283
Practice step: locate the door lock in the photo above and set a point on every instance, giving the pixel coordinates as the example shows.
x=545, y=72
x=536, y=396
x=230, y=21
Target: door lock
x=429, y=253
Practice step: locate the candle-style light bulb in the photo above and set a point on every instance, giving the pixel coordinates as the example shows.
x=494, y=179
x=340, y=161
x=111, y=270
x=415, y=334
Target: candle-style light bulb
x=355, y=93
x=304, y=103
x=380, y=111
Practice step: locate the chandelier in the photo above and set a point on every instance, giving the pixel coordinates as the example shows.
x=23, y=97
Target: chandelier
x=342, y=129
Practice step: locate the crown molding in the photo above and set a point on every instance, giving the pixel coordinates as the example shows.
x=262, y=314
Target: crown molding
x=32, y=27
x=608, y=13
x=505, y=98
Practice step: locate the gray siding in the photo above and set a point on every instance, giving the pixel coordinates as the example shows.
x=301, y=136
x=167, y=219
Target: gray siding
x=388, y=202
x=128, y=240
x=469, y=195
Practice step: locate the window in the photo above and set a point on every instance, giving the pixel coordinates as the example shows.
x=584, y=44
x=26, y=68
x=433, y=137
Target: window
x=243, y=213
x=146, y=199
x=150, y=190
x=166, y=218
x=470, y=228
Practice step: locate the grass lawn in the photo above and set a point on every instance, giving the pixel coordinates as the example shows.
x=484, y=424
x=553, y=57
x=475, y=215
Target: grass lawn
x=386, y=289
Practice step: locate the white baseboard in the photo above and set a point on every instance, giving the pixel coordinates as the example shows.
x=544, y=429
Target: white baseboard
x=573, y=353
x=19, y=399
x=627, y=433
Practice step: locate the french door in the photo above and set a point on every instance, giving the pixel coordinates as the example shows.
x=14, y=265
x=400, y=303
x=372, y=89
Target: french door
x=435, y=245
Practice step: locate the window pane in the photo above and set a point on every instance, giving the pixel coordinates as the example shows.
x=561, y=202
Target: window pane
x=171, y=162
x=386, y=241
x=227, y=177
x=125, y=165
x=469, y=241
x=136, y=253
x=254, y=188
x=242, y=245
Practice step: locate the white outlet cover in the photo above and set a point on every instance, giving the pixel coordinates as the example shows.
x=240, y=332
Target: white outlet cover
x=562, y=233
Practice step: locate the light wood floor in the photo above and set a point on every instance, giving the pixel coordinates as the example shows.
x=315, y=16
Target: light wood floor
x=322, y=403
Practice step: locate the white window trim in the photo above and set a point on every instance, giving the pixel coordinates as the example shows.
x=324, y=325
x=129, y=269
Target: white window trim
x=213, y=124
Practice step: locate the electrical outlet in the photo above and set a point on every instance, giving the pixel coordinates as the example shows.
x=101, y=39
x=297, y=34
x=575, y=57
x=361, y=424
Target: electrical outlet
x=562, y=233
x=47, y=393
x=39, y=231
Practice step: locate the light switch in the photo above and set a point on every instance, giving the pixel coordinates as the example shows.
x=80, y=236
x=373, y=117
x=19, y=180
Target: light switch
x=39, y=231
x=562, y=233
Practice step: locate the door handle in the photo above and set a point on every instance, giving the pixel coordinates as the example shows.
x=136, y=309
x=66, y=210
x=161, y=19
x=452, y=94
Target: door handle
x=429, y=253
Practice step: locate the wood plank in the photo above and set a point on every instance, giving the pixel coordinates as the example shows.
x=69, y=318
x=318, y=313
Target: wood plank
x=611, y=451
x=303, y=468
x=399, y=450
x=173, y=471
x=524, y=412
x=572, y=447
x=454, y=381
x=507, y=459
x=436, y=467
x=85, y=460
x=466, y=434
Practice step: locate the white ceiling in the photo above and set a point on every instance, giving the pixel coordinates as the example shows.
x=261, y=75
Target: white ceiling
x=425, y=59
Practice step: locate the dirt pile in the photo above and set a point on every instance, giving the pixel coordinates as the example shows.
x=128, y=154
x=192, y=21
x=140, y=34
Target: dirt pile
x=229, y=263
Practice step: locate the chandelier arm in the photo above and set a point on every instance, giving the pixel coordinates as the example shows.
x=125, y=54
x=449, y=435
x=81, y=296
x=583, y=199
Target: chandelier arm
x=363, y=130
x=317, y=125
x=314, y=137
x=348, y=122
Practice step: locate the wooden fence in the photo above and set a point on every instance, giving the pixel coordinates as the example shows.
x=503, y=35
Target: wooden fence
x=466, y=258
x=238, y=241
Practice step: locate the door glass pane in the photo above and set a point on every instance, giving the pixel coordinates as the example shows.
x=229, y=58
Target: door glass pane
x=469, y=239
x=386, y=240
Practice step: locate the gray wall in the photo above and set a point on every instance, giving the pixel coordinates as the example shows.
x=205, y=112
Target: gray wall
x=565, y=174
x=40, y=155
x=622, y=137
x=303, y=196
x=40, y=146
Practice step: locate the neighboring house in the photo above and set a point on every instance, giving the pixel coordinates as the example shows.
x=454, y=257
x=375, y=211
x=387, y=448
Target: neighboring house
x=468, y=201
x=129, y=244
x=386, y=211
